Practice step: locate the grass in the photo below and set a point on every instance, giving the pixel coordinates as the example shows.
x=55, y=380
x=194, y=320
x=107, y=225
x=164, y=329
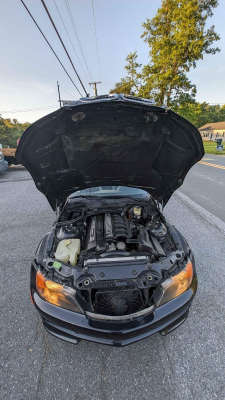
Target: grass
x=210, y=147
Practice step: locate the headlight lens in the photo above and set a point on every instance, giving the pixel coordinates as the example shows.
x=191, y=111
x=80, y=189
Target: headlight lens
x=59, y=295
x=176, y=285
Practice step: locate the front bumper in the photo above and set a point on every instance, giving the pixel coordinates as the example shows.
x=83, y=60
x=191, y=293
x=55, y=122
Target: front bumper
x=72, y=327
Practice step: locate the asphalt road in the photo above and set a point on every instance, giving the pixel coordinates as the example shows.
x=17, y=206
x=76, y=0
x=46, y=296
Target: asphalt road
x=205, y=184
x=187, y=364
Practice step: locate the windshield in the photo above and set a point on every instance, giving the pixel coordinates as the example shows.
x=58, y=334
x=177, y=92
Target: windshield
x=105, y=191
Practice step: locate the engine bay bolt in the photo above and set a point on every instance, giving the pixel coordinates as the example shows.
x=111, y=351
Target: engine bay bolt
x=86, y=283
x=148, y=265
x=102, y=275
x=149, y=277
x=134, y=272
x=85, y=269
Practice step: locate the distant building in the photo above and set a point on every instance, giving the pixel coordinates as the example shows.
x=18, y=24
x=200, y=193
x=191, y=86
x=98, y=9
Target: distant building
x=213, y=130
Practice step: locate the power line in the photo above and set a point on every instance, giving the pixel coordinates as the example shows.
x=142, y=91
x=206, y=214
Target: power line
x=50, y=46
x=49, y=16
x=75, y=31
x=28, y=109
x=70, y=40
x=67, y=92
x=96, y=39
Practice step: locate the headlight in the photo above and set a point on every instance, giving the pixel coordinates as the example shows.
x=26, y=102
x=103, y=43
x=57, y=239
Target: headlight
x=176, y=285
x=59, y=295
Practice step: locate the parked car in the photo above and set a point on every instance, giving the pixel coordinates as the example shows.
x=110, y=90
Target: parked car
x=3, y=162
x=112, y=270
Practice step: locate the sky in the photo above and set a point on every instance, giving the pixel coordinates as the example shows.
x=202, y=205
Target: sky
x=29, y=70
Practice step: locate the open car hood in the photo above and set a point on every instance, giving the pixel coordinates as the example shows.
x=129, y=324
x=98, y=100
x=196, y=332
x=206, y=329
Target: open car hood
x=109, y=140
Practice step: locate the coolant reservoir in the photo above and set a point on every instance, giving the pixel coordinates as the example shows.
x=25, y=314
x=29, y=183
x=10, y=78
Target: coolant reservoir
x=67, y=251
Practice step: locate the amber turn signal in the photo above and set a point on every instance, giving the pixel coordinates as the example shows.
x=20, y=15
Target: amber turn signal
x=177, y=285
x=59, y=295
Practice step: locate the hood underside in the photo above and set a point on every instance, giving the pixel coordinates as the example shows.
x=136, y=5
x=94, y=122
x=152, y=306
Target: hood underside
x=109, y=140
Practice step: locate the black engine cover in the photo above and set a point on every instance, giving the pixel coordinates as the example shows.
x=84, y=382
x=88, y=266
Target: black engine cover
x=95, y=232
x=104, y=227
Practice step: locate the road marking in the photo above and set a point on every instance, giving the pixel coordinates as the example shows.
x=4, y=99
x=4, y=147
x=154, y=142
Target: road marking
x=212, y=165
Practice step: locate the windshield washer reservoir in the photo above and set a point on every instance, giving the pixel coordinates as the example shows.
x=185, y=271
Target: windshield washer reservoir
x=67, y=251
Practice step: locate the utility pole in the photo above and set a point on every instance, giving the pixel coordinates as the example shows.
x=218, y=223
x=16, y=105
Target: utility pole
x=95, y=87
x=59, y=94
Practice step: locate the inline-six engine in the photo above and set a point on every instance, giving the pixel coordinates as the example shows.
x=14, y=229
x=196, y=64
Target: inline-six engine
x=118, y=233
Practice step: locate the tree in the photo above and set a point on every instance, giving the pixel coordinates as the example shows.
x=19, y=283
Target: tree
x=130, y=84
x=177, y=39
x=10, y=131
x=201, y=113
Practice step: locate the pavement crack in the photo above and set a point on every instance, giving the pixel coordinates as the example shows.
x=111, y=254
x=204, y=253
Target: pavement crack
x=171, y=366
x=46, y=350
x=9, y=222
x=41, y=372
x=37, y=329
x=103, y=378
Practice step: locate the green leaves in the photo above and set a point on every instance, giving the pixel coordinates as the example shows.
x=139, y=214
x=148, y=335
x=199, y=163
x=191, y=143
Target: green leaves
x=200, y=113
x=130, y=84
x=177, y=39
x=10, y=131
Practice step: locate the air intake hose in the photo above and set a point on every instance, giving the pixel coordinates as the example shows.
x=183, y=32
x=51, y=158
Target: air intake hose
x=145, y=244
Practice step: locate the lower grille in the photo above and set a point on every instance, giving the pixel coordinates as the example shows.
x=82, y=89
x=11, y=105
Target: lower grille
x=118, y=302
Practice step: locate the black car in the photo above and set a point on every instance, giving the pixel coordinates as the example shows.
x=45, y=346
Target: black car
x=112, y=270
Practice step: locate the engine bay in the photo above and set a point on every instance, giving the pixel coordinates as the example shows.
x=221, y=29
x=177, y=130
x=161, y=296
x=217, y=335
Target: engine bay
x=119, y=234
x=115, y=256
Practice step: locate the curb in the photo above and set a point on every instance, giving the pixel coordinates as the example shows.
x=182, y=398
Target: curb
x=204, y=213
